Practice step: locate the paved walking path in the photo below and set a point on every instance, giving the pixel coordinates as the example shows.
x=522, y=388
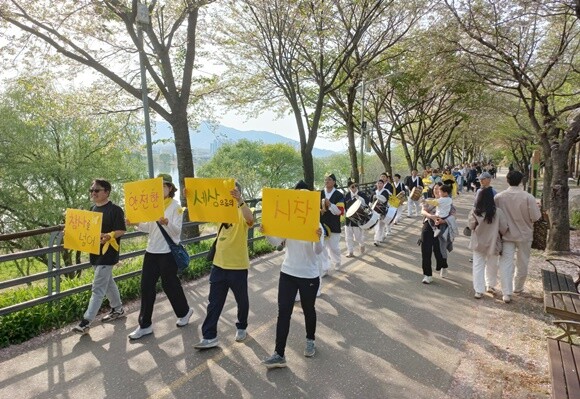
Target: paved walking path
x=380, y=334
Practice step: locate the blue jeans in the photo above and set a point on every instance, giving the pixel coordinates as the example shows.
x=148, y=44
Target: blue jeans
x=103, y=284
x=220, y=282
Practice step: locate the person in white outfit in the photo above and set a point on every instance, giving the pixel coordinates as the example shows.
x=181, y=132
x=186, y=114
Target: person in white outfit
x=381, y=197
x=332, y=207
x=353, y=233
x=488, y=224
x=299, y=274
x=413, y=207
x=521, y=211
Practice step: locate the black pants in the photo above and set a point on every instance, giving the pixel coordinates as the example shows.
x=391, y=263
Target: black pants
x=220, y=282
x=164, y=266
x=430, y=245
x=288, y=286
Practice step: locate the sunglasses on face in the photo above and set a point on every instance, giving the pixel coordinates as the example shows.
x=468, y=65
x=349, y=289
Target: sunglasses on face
x=96, y=190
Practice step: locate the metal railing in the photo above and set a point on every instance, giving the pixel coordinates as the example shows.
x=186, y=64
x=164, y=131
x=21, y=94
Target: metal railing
x=55, y=269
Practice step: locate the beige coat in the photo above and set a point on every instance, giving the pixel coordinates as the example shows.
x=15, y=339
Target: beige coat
x=521, y=211
x=486, y=237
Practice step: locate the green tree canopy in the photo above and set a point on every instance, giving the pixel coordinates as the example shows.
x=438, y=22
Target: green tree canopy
x=255, y=166
x=51, y=147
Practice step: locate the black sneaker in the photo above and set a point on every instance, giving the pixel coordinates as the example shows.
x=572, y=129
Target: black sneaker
x=83, y=327
x=114, y=314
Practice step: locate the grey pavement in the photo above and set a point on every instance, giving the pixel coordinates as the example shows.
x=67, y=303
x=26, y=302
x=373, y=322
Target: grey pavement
x=380, y=334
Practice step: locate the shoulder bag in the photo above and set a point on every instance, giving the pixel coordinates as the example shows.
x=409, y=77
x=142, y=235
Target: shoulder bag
x=211, y=252
x=177, y=250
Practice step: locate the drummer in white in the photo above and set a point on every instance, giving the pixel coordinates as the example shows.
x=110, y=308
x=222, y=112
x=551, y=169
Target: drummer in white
x=354, y=233
x=411, y=182
x=380, y=198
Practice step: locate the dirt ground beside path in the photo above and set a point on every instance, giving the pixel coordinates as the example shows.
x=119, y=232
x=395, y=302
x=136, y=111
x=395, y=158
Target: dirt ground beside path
x=513, y=363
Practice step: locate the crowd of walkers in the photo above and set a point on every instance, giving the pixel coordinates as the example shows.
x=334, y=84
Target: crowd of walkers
x=499, y=224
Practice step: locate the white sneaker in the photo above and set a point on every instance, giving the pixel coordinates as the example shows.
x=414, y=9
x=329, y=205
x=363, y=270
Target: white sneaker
x=207, y=343
x=427, y=279
x=507, y=298
x=141, y=332
x=443, y=273
x=183, y=321
x=478, y=295
x=241, y=334
x=349, y=255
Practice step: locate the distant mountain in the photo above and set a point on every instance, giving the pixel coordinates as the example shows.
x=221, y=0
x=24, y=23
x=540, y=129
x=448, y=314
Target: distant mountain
x=206, y=136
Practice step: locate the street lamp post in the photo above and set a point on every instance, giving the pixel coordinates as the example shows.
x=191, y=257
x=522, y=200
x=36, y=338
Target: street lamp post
x=142, y=20
x=363, y=126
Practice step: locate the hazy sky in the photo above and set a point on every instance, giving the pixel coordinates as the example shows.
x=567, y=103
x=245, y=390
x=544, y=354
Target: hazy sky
x=285, y=127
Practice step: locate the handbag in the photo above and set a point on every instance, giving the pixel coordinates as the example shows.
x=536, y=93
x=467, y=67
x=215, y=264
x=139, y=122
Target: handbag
x=211, y=252
x=540, y=233
x=177, y=250
x=467, y=231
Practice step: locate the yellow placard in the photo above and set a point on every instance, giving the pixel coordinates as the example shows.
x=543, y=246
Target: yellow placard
x=144, y=200
x=209, y=200
x=82, y=230
x=291, y=213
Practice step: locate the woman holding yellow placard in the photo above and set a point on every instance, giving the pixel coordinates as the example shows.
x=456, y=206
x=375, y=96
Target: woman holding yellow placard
x=300, y=273
x=159, y=262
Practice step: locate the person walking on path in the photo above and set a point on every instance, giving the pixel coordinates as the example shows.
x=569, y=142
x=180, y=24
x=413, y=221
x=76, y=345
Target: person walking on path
x=229, y=271
x=112, y=229
x=411, y=182
x=521, y=211
x=299, y=274
x=430, y=244
x=352, y=232
x=488, y=224
x=380, y=199
x=159, y=262
x=331, y=210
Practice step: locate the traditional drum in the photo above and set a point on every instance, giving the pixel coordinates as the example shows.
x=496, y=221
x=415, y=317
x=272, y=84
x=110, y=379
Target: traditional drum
x=380, y=205
x=361, y=215
x=401, y=196
x=415, y=194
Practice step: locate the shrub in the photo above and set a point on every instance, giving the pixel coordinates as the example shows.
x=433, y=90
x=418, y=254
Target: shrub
x=575, y=219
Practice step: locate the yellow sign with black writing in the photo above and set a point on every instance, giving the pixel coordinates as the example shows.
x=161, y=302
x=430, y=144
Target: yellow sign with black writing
x=144, y=200
x=209, y=200
x=82, y=230
x=291, y=213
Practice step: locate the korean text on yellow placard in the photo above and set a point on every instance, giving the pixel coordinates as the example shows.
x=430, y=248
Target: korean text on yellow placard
x=144, y=200
x=291, y=213
x=82, y=230
x=209, y=200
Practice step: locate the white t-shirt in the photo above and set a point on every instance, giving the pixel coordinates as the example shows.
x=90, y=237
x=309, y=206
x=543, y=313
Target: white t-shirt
x=302, y=257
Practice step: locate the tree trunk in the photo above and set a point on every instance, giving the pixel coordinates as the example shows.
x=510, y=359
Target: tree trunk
x=559, y=239
x=184, y=164
x=308, y=166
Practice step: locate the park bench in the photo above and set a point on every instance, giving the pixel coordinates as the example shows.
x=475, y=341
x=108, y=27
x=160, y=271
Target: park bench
x=564, y=360
x=561, y=297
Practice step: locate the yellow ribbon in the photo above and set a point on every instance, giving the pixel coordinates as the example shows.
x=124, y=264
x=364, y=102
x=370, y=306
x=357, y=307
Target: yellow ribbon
x=112, y=242
x=167, y=201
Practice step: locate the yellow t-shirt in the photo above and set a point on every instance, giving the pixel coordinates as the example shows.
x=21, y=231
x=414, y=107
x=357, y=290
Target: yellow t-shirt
x=232, y=246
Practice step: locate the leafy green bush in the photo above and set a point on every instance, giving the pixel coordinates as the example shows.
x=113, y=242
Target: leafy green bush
x=575, y=219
